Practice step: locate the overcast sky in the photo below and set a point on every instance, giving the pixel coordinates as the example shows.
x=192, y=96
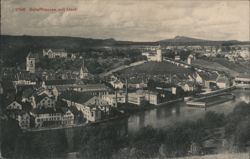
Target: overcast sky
x=136, y=20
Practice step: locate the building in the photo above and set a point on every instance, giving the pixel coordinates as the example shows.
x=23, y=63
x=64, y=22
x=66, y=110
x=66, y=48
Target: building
x=113, y=99
x=55, y=53
x=206, y=79
x=93, y=108
x=242, y=81
x=43, y=101
x=1, y=89
x=30, y=63
x=14, y=105
x=135, y=98
x=84, y=73
x=67, y=117
x=190, y=59
x=159, y=57
x=22, y=117
x=14, y=111
x=177, y=58
x=51, y=117
x=117, y=84
x=24, y=79
x=188, y=86
x=27, y=95
x=154, y=56
x=151, y=97
x=49, y=84
x=245, y=53
x=93, y=89
x=222, y=81
x=92, y=113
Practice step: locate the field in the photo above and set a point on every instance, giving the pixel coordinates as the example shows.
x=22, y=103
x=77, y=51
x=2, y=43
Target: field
x=156, y=68
x=222, y=64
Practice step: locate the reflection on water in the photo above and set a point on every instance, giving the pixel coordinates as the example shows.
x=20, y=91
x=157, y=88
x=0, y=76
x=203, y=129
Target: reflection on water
x=53, y=143
x=170, y=114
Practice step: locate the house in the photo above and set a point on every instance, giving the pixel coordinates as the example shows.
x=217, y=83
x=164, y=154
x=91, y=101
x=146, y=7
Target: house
x=23, y=119
x=177, y=58
x=67, y=117
x=111, y=99
x=43, y=101
x=24, y=78
x=151, y=97
x=93, y=108
x=55, y=53
x=14, y=105
x=94, y=89
x=27, y=95
x=92, y=113
x=242, y=81
x=198, y=78
x=21, y=116
x=222, y=81
x=100, y=104
x=188, y=86
x=117, y=84
x=154, y=56
x=137, y=83
x=206, y=79
x=135, y=98
x=49, y=84
x=45, y=117
x=1, y=89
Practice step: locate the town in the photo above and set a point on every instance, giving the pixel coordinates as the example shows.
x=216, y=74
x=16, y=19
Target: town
x=56, y=88
x=114, y=79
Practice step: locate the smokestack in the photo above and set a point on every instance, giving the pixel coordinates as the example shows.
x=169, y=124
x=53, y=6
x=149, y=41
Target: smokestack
x=126, y=96
x=115, y=98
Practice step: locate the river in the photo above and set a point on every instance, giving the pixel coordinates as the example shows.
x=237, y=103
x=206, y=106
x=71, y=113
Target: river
x=169, y=115
x=64, y=141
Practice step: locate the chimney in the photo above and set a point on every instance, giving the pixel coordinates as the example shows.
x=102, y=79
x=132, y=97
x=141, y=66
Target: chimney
x=115, y=98
x=126, y=96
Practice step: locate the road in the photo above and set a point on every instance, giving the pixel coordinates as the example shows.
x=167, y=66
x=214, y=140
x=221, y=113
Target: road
x=121, y=68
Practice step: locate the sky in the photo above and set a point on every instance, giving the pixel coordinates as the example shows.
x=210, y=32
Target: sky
x=133, y=20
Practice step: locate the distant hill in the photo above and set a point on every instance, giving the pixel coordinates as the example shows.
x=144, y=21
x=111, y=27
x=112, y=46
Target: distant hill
x=16, y=48
x=183, y=40
x=74, y=43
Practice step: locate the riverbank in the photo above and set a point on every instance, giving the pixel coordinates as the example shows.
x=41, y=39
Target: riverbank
x=131, y=109
x=77, y=125
x=205, y=102
x=220, y=156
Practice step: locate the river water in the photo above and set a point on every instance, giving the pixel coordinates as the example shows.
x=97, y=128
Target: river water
x=70, y=140
x=169, y=115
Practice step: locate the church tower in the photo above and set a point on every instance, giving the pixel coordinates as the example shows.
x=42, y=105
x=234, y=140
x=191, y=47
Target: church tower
x=84, y=73
x=159, y=57
x=30, y=63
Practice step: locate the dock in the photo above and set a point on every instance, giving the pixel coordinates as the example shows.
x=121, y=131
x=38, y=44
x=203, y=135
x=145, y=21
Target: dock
x=211, y=99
